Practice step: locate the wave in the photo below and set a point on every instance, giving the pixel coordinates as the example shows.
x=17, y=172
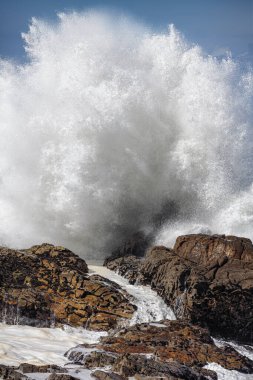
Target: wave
x=109, y=128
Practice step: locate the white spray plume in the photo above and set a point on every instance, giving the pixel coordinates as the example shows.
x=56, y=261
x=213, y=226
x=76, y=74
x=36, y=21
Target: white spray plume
x=109, y=127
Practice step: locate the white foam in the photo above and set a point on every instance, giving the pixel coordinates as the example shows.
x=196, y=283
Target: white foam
x=150, y=306
x=224, y=374
x=25, y=344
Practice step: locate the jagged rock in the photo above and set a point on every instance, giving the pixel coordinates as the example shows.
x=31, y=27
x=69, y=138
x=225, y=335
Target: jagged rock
x=175, y=340
x=101, y=375
x=135, y=246
x=22, y=372
x=48, y=285
x=6, y=371
x=32, y=368
x=59, y=376
x=130, y=364
x=205, y=279
x=127, y=267
x=170, y=349
x=207, y=249
x=80, y=355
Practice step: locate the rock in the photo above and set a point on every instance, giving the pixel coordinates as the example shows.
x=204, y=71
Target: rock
x=135, y=246
x=48, y=285
x=174, y=341
x=130, y=364
x=168, y=349
x=127, y=267
x=101, y=375
x=205, y=279
x=31, y=368
x=59, y=376
x=6, y=372
x=80, y=355
x=206, y=249
x=24, y=370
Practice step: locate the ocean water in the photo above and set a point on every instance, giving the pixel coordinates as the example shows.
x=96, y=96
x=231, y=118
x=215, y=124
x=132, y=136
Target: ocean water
x=111, y=127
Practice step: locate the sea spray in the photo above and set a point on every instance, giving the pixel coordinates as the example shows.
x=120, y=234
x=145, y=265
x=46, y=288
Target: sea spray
x=109, y=127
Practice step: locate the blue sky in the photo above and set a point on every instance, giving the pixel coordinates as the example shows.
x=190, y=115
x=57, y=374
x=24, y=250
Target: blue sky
x=216, y=25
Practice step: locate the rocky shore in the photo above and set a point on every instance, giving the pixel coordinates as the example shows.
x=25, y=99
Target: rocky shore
x=206, y=280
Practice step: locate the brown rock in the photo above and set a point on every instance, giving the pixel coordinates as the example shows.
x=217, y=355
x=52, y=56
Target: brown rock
x=47, y=285
x=170, y=349
x=127, y=267
x=175, y=341
x=209, y=249
x=101, y=375
x=59, y=376
x=205, y=279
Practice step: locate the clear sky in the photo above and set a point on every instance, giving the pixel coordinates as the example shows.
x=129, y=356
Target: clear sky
x=217, y=25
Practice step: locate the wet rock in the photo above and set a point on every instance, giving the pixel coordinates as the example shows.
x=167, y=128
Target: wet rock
x=127, y=267
x=6, y=371
x=88, y=356
x=23, y=372
x=169, y=349
x=59, y=376
x=129, y=365
x=174, y=341
x=31, y=368
x=101, y=375
x=205, y=279
x=135, y=246
x=48, y=285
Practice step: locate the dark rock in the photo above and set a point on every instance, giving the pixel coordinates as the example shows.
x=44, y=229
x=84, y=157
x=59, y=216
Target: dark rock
x=48, y=285
x=127, y=267
x=177, y=341
x=205, y=279
x=59, y=376
x=22, y=372
x=94, y=359
x=7, y=372
x=101, y=375
x=170, y=349
x=31, y=368
x=135, y=246
x=129, y=365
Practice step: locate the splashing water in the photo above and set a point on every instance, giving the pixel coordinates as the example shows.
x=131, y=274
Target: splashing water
x=109, y=128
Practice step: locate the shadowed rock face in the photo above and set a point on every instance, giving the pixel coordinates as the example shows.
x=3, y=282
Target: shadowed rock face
x=175, y=349
x=135, y=246
x=205, y=279
x=47, y=285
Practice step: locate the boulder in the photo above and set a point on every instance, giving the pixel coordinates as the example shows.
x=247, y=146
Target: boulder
x=25, y=370
x=206, y=249
x=178, y=341
x=59, y=376
x=205, y=279
x=136, y=246
x=127, y=266
x=168, y=349
x=102, y=375
x=48, y=285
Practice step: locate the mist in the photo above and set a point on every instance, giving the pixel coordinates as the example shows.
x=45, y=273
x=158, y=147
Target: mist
x=111, y=128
